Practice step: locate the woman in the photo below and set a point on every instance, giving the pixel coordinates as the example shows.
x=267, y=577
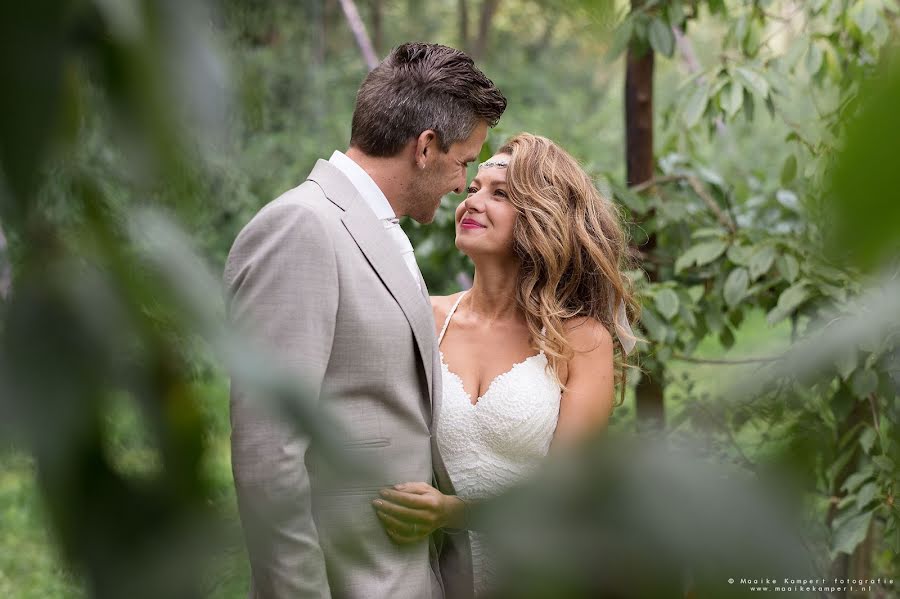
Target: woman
x=548, y=252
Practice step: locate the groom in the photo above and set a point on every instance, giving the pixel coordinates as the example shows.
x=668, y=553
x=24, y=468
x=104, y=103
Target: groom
x=326, y=279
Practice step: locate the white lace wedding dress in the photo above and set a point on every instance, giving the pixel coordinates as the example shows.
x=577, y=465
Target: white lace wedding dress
x=497, y=441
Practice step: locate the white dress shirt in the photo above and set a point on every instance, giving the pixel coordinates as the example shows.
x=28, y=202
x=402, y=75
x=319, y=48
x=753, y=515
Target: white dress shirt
x=376, y=200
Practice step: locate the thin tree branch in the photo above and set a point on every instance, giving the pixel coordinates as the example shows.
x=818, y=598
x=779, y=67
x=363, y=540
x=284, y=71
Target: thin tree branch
x=698, y=187
x=359, y=32
x=734, y=362
x=5, y=270
x=747, y=462
x=875, y=420
x=701, y=191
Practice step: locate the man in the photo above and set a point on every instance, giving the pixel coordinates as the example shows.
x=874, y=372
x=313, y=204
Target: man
x=326, y=279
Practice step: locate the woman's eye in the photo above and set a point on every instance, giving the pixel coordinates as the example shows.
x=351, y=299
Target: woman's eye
x=471, y=190
x=501, y=193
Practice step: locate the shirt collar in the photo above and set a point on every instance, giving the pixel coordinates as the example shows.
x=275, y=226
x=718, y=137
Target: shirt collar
x=364, y=184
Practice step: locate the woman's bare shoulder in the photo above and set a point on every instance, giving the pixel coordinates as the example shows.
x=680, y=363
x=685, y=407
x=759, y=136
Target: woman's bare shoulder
x=587, y=334
x=440, y=306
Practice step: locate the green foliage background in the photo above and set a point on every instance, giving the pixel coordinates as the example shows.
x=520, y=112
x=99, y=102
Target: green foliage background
x=773, y=224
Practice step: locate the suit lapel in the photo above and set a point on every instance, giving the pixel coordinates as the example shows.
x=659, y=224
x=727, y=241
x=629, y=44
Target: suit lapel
x=379, y=249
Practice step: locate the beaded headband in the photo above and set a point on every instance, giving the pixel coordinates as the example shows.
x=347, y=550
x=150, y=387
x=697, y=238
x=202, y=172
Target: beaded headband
x=494, y=163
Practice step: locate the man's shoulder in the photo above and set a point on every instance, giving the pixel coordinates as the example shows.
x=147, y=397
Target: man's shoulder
x=304, y=203
x=300, y=215
x=307, y=197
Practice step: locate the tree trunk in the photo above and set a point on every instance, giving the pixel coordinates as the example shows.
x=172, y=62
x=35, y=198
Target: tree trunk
x=378, y=26
x=488, y=10
x=463, y=12
x=639, y=169
x=359, y=33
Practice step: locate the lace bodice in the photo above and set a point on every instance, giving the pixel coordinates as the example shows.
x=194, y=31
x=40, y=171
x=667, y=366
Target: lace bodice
x=495, y=443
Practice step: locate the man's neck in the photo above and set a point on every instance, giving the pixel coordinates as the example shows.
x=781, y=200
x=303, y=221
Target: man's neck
x=387, y=174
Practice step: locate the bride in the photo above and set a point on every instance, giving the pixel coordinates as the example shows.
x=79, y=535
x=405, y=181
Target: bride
x=527, y=354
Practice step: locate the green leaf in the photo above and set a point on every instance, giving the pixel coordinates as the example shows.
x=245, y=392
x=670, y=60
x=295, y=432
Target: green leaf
x=635, y=202
x=846, y=362
x=621, y=39
x=864, y=15
x=696, y=105
x=813, y=59
x=793, y=296
x=655, y=327
x=708, y=251
x=736, y=286
x=739, y=254
x=789, y=300
x=753, y=81
x=833, y=63
x=866, y=494
x=761, y=261
x=675, y=12
x=748, y=106
x=853, y=482
x=751, y=41
x=863, y=382
x=788, y=267
x=734, y=98
x=704, y=232
x=700, y=254
x=789, y=170
x=884, y=462
x=667, y=303
x=726, y=337
x=714, y=320
x=851, y=533
x=867, y=439
x=661, y=37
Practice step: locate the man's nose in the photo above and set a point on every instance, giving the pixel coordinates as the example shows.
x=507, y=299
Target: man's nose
x=461, y=183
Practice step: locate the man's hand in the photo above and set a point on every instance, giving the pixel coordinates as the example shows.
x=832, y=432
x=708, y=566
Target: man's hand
x=410, y=512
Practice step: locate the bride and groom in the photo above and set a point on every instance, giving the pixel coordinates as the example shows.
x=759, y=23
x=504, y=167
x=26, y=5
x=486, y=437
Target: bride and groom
x=444, y=401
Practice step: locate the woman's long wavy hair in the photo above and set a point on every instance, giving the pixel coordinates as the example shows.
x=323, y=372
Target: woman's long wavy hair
x=572, y=247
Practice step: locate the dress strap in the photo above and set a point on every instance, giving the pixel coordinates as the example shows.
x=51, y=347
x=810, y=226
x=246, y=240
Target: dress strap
x=449, y=315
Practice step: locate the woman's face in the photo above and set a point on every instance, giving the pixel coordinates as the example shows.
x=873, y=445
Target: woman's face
x=485, y=219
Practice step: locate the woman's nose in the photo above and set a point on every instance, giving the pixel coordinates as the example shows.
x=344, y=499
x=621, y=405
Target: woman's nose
x=474, y=202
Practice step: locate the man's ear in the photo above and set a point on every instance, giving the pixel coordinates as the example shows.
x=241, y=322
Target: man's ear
x=426, y=148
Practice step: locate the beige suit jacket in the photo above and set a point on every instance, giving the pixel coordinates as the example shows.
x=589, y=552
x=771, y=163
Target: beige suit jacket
x=316, y=279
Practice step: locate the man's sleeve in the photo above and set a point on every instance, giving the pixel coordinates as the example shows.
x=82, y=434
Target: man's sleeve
x=282, y=288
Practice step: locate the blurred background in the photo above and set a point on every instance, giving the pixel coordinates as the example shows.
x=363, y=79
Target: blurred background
x=751, y=146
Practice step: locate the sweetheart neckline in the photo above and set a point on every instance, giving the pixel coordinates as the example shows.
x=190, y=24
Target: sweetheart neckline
x=491, y=384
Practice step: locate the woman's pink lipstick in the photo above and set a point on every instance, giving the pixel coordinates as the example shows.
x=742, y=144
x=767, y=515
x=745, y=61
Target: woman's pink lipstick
x=468, y=223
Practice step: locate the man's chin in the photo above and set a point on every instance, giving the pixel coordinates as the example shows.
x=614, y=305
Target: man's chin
x=425, y=218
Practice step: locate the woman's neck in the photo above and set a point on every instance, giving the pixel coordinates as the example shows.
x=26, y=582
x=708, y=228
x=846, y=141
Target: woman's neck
x=492, y=297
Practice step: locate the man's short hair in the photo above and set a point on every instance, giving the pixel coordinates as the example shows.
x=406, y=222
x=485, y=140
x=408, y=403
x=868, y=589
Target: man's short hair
x=422, y=86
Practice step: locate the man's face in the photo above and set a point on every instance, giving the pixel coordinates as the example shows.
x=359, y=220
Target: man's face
x=446, y=172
